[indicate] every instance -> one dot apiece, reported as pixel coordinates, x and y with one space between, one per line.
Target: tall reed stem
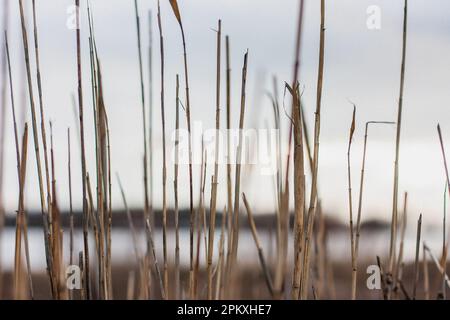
360 197
229 182
20 216
238 165
350 205
87 292
177 14
49 258
175 187
397 146
313 194
212 217
164 174
41 109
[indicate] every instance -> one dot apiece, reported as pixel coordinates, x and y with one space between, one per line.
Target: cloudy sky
361 65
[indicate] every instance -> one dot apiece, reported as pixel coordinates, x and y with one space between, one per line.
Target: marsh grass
308 273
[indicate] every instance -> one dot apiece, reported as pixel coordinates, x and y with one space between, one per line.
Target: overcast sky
361 65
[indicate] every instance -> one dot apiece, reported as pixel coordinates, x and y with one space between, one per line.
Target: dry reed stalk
262 260
102 180
49 257
238 166
144 122
93 59
299 171
426 277
278 188
3 97
103 167
175 187
150 112
229 182
361 189
282 237
397 147
350 205
212 217
276 111
313 193
20 215
87 293
416 261
279 191
107 211
177 14
41 109
164 175
96 105
109 228
13 112
283 211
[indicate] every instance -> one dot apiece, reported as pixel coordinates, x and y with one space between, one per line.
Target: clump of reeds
44 209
